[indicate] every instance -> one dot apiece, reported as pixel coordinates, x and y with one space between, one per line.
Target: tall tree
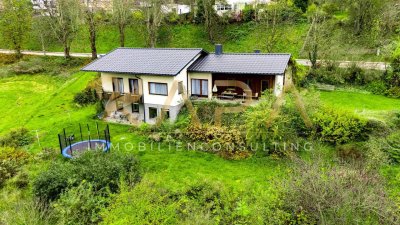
270 18
90 9
154 17
121 17
363 13
301 4
65 18
211 18
15 23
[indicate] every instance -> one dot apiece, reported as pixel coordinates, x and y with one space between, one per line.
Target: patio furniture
255 96
230 97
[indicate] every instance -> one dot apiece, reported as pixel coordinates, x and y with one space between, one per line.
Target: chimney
218 49
257 51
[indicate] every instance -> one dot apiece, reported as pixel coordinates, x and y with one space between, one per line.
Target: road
304 62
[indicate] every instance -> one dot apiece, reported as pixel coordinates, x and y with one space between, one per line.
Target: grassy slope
339 45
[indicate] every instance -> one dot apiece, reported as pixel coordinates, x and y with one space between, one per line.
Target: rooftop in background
246 63
156 61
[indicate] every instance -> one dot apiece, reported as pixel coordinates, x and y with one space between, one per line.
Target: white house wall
106 80
278 87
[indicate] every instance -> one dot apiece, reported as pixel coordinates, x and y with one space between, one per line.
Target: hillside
236 38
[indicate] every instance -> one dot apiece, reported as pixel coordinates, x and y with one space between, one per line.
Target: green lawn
368 105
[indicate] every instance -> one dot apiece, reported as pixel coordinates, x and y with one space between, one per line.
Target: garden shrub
86 97
80 205
248 13
338 127
324 193
11 161
393 148
172 18
227 142
47 154
377 87
355 75
7 59
393 92
285 126
32 66
350 152
17 138
21 180
376 154
205 110
103 170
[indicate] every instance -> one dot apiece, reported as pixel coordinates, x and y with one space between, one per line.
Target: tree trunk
92 32
122 36
67 51
18 53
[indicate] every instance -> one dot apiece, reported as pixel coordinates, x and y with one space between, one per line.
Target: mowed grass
42 103
365 104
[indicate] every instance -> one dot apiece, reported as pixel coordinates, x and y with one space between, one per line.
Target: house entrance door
264 85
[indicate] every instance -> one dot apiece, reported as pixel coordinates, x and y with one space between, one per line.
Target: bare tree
121 17
15 22
314 35
90 9
269 20
153 18
211 18
65 18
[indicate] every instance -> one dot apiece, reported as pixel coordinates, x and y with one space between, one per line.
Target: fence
74 139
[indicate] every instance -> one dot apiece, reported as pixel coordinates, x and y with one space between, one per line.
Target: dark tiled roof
252 63
157 61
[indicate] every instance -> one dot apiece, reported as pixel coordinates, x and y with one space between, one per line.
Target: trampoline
79 147
72 146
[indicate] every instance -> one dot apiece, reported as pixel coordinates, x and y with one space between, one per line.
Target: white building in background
236 6
43 4
176 8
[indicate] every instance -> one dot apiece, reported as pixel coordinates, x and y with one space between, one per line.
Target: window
134 86
264 85
153 113
135 107
180 87
223 7
158 88
200 87
166 113
118 85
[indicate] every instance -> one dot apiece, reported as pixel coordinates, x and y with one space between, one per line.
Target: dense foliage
322 193
205 202
17 138
86 97
337 126
11 161
103 171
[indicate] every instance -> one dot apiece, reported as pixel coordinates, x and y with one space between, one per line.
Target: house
236 6
141 83
176 8
44 4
